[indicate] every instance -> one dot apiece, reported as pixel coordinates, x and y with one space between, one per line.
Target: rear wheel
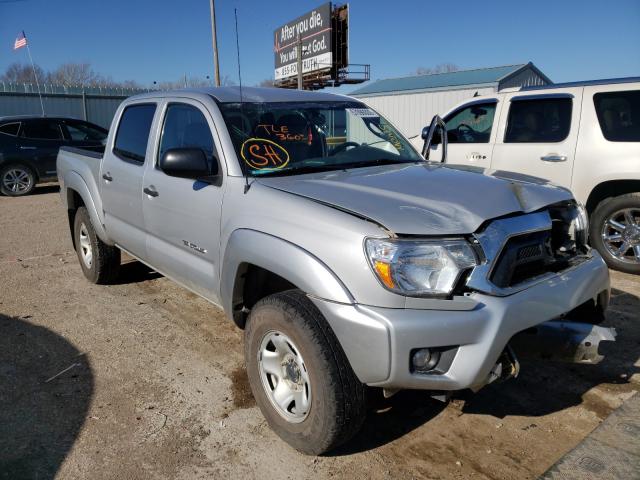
100 262
17 180
299 375
615 232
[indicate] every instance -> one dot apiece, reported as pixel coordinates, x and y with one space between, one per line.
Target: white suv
584 136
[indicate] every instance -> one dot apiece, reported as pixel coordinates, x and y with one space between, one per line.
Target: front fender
283 258
73 181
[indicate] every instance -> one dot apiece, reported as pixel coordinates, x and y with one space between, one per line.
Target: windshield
290 138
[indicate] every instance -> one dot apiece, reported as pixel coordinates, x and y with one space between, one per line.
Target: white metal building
411 102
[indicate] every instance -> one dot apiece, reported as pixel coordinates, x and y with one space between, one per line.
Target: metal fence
94 104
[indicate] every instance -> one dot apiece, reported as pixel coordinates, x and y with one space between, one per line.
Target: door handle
150 191
554 158
28 148
107 177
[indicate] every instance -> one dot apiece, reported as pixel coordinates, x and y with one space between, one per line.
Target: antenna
235 14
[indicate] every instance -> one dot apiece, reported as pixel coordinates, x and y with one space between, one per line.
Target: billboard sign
313 30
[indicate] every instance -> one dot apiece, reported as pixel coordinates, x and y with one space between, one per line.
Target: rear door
121 177
609 141
182 216
470 134
537 134
39 142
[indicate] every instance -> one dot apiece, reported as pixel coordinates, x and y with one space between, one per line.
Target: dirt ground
145 380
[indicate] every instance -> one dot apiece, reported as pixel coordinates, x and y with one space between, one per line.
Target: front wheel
299 375
17 180
615 232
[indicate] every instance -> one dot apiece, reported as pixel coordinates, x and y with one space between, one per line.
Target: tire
336 397
622 211
102 263
17 180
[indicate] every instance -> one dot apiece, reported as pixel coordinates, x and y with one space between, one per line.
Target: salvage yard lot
143 379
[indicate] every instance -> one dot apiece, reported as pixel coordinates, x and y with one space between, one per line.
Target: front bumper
378 341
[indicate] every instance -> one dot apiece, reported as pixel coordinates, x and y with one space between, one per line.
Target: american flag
21 41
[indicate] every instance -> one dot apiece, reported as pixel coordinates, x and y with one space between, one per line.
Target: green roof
478 76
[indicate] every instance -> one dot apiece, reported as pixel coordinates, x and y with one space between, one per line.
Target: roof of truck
249 94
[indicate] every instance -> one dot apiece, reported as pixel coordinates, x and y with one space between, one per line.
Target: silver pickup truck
350 262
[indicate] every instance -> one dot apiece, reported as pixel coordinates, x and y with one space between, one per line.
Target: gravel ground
145 380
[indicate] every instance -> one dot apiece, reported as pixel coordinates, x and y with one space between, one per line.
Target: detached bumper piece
563 341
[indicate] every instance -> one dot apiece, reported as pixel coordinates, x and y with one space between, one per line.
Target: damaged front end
564 339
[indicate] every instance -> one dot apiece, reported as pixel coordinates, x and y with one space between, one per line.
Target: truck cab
350 262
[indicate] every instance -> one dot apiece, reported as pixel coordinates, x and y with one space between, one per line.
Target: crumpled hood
424 199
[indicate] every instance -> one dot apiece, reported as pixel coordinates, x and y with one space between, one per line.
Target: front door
470 134
182 216
121 178
538 135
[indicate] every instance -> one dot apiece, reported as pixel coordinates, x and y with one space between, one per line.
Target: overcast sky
160 40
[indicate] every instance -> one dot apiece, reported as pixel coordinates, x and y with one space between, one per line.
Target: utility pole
299 60
216 67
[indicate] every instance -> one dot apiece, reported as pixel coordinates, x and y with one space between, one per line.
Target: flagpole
35 75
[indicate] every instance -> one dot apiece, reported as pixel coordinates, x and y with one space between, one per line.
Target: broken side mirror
430 137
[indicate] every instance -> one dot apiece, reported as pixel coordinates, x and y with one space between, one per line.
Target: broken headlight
419 267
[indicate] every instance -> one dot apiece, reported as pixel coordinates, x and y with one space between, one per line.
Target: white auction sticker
362 112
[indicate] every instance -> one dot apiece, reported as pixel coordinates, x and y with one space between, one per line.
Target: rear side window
619 115
41 130
544 120
84 132
10 128
472 124
133 132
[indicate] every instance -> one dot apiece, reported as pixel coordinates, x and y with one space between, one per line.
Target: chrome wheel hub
284 376
16 180
621 235
86 252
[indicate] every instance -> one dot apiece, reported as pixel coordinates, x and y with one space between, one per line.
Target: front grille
530 251
530 255
523 257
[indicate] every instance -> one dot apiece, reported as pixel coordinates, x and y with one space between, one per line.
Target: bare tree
267 82
22 73
74 74
227 81
441 68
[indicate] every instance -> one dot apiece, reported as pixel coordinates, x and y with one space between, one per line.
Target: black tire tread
350 392
353 391
106 258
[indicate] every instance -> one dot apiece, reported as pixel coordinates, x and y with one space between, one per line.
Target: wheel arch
76 194
608 189
257 264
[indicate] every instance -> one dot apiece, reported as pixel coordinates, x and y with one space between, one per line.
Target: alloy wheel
17 180
621 235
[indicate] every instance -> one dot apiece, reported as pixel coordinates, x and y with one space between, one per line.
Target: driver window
471 124
186 127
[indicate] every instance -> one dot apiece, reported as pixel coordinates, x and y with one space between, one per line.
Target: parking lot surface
143 379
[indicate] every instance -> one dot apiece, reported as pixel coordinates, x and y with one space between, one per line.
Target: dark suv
29 146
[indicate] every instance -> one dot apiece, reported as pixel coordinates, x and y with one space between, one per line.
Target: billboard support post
299 61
